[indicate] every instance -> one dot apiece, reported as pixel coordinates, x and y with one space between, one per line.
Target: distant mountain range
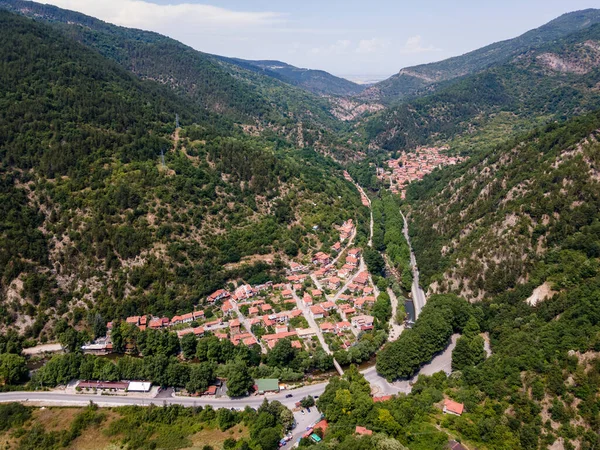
528 87
412 81
316 81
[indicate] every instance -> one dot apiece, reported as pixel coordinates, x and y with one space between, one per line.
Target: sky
363 40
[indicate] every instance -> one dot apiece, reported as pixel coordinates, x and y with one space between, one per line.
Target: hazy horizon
342 38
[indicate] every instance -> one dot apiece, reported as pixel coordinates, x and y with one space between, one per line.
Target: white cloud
142 14
414 44
374 45
339 47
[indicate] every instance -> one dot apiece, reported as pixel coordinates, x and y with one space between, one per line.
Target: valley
215 252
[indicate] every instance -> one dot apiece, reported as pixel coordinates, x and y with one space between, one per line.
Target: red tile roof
363 431
453 407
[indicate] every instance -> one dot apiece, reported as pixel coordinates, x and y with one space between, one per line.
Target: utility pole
162 158
176 121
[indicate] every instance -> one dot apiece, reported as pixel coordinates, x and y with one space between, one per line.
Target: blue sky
356 39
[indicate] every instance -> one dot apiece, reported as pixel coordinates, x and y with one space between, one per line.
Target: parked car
289 396
308 409
303 412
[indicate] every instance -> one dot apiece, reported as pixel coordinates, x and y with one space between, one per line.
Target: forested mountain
316 81
90 215
551 82
243 94
411 81
525 212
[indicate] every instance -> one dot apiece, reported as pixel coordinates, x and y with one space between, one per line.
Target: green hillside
239 93
90 215
551 82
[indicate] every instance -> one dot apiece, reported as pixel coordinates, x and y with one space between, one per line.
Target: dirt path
395 329
44 348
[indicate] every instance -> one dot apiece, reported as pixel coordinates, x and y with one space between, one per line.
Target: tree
468 352
71 340
239 380
98 326
374 261
226 419
13 368
269 438
286 418
282 354
307 402
188 345
201 375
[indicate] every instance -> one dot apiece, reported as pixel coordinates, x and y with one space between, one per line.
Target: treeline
204 359
442 316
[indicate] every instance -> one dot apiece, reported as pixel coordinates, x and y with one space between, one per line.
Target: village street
244 321
311 321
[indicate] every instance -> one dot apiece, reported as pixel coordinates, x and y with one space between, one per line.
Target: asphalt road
253 401
381 386
418 296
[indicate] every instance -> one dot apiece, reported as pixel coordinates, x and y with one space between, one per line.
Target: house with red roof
134 320
317 311
244 291
354 252
321 259
227 307
296 268
336 247
343 325
362 278
307 299
287 294
221 294
327 327
234 326
253 310
334 283
327 306
452 407
351 261
363 431
316 293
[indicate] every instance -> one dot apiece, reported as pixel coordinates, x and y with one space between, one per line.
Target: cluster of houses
415 165
272 306
351 306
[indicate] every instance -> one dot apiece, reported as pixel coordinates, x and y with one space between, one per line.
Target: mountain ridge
410 81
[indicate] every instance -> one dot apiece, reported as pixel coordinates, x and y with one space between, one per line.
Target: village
325 303
413 166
